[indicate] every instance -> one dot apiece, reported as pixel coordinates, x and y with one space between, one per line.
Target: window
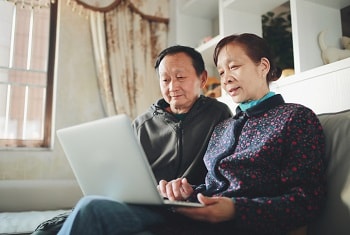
27 49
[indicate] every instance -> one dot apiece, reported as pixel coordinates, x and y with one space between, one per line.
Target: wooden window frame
46 142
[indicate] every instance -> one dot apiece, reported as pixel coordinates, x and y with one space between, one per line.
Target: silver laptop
108 160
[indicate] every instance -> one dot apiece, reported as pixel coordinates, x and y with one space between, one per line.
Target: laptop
108 160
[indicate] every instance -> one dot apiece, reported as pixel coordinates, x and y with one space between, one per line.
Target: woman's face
242 78
179 83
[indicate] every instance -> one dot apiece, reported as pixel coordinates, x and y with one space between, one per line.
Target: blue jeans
98 215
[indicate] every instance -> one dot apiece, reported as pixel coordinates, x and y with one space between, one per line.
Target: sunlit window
27 43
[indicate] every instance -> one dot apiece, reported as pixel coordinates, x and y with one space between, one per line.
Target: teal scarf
247 105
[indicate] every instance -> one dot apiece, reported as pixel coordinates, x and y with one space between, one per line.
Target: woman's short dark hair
196 57
255 47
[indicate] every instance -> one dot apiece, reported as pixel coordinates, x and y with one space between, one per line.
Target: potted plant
277 30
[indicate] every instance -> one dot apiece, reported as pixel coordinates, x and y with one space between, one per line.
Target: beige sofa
335 219
24 204
50 196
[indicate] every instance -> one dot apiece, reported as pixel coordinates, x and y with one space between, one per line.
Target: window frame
46 142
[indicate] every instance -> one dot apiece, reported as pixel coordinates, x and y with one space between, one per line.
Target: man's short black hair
197 59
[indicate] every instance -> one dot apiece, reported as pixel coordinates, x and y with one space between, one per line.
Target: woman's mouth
233 91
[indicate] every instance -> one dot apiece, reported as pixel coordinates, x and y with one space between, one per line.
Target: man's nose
173 85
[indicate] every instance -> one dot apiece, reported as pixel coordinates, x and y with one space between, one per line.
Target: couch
335 218
24 204
20 199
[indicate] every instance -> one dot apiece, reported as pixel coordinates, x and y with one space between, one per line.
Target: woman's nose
225 79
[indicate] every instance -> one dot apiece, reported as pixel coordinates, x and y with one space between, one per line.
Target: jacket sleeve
301 183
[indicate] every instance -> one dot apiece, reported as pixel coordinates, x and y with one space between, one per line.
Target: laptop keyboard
182 203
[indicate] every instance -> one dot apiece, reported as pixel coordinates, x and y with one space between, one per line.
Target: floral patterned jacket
270 161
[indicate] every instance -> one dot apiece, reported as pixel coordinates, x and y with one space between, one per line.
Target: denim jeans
97 215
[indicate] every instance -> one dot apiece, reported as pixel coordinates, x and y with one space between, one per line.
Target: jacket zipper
180 155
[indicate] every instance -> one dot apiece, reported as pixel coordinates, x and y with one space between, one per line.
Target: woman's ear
265 66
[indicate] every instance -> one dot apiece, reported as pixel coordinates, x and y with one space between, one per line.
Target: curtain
101 61
126 42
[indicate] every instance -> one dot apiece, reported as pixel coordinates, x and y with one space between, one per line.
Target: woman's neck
248 104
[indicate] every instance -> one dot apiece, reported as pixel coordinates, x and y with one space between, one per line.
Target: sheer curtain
126 41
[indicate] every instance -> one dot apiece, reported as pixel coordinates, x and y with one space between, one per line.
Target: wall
77 100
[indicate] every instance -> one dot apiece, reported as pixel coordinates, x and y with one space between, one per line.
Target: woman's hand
217 209
175 190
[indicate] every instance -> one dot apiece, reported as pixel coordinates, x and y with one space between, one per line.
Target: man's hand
175 190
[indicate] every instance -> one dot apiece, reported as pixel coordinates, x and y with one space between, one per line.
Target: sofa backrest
335 219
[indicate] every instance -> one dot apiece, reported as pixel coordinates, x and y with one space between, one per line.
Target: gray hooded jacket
175 148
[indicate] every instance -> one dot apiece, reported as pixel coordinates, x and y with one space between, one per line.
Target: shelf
201 8
197 19
207 50
313 81
318 88
258 7
312 73
336 4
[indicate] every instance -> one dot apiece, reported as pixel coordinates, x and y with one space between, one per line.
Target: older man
175 130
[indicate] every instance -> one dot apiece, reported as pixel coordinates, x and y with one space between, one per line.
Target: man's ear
204 78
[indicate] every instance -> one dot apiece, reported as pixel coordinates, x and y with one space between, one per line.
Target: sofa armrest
335 217
38 195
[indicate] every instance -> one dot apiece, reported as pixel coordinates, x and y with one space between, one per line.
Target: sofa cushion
25 222
335 219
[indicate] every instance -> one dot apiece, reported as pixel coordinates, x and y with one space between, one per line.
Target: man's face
179 83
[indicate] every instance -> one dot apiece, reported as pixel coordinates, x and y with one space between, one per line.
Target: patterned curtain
126 41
